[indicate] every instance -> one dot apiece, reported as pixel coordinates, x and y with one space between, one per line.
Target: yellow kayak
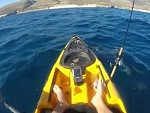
75 71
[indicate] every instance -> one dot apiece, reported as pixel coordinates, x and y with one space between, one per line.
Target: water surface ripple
30 44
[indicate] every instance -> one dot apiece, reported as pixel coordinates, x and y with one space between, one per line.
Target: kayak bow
75 71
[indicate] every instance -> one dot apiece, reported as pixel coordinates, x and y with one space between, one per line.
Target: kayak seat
83 108
46 110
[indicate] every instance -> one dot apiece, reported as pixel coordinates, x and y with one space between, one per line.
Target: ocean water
30 44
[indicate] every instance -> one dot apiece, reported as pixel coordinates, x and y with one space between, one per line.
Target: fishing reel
118 62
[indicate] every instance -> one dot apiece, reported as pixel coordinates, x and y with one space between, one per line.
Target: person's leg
97 100
62 103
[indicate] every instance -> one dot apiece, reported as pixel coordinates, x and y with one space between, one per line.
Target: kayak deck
74 72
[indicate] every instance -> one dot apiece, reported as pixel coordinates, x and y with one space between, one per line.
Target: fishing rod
118 59
7 106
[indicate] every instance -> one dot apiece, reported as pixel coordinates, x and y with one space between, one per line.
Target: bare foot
99 87
97 100
62 103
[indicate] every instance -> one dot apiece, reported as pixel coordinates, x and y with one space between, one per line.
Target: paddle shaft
12 109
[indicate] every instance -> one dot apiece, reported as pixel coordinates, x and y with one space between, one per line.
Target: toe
55 88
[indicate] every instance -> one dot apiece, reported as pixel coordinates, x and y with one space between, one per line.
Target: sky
6 2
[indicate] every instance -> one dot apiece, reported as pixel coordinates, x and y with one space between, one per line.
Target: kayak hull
74 72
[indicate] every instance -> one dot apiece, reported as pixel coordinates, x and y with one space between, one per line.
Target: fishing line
128 24
118 59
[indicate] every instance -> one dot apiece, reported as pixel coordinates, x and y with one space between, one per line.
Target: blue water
30 44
